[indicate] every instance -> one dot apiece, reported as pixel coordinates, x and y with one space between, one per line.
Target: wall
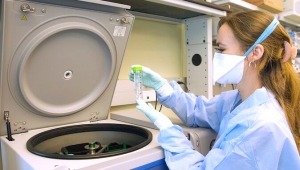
156 45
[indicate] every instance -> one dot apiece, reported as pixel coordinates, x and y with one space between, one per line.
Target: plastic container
137 70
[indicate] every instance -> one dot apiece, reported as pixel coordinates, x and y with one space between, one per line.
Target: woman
257 124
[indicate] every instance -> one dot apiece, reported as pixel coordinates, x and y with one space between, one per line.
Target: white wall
156 45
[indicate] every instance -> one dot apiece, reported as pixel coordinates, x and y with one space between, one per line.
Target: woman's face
227 43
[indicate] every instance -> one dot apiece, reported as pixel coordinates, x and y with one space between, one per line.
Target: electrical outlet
149 96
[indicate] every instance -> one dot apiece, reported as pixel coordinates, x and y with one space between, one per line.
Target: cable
233 87
156 98
160 108
180 82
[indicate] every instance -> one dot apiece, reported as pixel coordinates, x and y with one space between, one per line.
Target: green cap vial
137 77
137 68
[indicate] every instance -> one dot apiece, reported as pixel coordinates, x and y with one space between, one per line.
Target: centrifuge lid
62 66
62 69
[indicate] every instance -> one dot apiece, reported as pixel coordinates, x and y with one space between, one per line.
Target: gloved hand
161 121
150 78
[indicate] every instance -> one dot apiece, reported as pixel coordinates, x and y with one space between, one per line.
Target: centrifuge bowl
50 143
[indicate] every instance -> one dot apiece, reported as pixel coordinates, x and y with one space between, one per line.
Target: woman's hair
277 76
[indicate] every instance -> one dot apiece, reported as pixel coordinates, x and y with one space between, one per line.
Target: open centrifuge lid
62 66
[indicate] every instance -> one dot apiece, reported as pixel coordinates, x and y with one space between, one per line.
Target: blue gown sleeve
179 153
197 111
268 144
258 149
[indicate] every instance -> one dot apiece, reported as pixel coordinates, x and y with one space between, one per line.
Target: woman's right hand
150 78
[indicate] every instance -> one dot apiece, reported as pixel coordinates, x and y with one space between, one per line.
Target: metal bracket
94 116
6 115
199 56
19 127
8 128
124 21
26 8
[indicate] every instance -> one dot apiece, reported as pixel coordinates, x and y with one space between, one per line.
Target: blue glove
150 78
160 120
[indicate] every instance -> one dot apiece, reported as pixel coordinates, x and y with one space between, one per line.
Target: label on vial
119 31
138 84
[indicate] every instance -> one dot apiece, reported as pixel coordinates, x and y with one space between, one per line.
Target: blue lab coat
252 135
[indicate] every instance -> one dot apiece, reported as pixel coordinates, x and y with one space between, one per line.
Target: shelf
236 5
175 10
290 17
286 18
107 3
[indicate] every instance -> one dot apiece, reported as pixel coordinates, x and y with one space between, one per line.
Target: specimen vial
137 70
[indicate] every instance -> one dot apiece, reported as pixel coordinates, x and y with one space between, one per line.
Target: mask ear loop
289 52
264 35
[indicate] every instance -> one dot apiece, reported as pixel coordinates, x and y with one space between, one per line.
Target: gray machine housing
59 65
202 139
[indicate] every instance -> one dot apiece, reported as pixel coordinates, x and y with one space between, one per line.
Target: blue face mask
228 69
